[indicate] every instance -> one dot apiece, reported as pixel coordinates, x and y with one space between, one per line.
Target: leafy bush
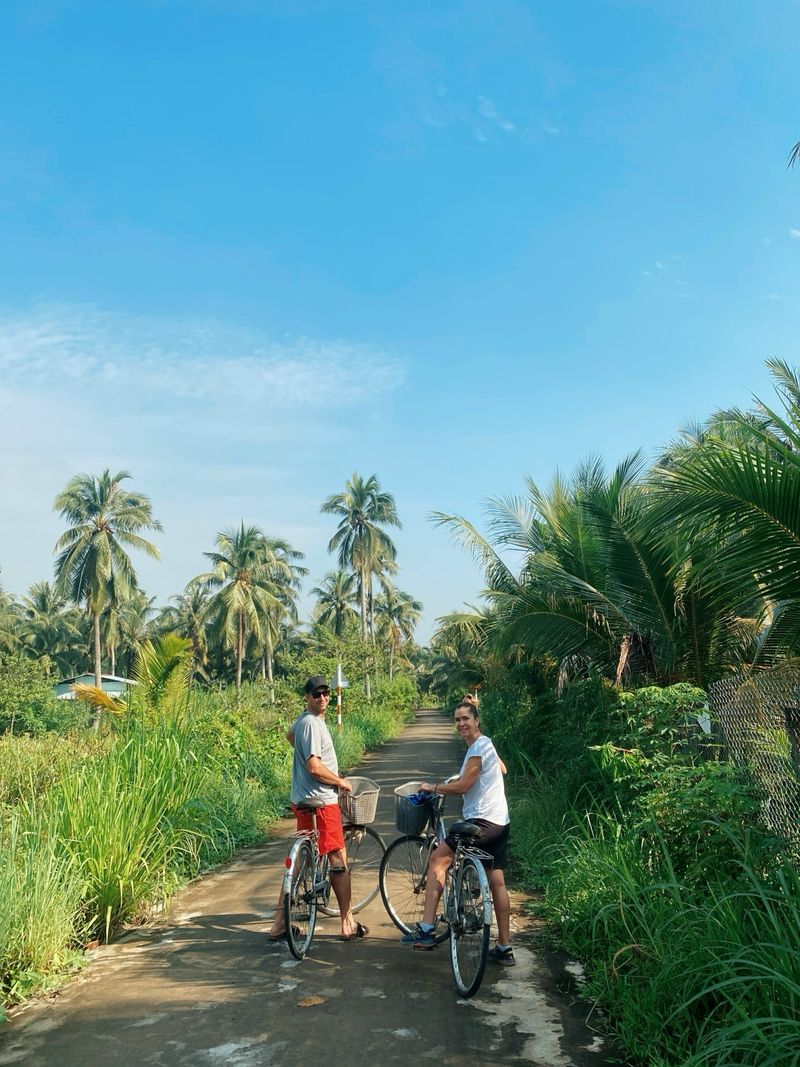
28 704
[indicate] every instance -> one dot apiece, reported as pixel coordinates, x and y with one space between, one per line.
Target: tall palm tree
397 613
244 578
363 509
93 567
285 573
335 599
188 617
49 627
135 627
9 622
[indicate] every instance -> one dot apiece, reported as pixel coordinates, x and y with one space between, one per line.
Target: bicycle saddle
310 805
464 829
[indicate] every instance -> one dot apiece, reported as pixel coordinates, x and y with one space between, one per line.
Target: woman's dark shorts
492 839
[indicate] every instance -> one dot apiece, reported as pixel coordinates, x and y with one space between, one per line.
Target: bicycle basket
411 818
361 805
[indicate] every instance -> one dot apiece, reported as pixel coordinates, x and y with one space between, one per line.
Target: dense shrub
28 704
659 875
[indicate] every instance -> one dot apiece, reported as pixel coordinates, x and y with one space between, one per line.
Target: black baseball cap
317 681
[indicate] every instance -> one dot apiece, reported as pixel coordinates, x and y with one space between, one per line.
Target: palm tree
285 573
50 628
363 509
244 577
135 627
359 540
335 599
189 618
603 583
9 620
397 613
738 492
92 567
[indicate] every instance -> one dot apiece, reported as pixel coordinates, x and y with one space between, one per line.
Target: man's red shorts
329 827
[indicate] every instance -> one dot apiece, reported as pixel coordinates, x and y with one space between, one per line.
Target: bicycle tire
365 849
402 882
300 900
469 934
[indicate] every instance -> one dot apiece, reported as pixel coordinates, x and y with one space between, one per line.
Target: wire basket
412 818
361 805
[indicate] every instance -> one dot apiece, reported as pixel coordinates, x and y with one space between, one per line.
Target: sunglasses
316 696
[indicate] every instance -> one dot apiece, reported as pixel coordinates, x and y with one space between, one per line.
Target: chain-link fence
759 717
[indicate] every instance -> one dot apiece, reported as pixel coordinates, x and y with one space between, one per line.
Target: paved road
205 988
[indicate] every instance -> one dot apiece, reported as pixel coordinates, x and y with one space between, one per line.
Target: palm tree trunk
363 604
362 595
239 654
269 669
98 665
113 651
391 661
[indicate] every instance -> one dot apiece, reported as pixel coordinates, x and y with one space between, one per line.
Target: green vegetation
611 603
97 831
99 826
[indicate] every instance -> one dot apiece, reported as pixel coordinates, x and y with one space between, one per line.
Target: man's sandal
360 931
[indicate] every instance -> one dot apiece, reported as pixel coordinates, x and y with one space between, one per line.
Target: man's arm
325 775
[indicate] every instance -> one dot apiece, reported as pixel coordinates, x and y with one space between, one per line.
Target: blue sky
250 247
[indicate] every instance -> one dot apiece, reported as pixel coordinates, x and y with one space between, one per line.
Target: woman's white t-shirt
487 797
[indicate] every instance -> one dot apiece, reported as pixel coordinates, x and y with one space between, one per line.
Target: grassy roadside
95 833
696 964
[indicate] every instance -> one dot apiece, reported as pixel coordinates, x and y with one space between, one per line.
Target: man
315 776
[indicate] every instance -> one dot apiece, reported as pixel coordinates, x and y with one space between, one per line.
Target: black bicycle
466 904
307 882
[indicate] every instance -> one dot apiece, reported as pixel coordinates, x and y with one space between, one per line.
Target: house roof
103 678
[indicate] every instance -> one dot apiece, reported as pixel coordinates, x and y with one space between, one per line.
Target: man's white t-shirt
487 797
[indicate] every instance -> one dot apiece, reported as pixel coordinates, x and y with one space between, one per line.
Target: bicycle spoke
469 944
402 880
365 849
300 903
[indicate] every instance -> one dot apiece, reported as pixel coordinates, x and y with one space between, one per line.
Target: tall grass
693 974
126 821
95 832
40 898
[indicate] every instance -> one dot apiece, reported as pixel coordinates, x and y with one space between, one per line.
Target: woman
480 782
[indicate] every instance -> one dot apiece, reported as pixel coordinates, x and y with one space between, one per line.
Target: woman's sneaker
419 938
503 956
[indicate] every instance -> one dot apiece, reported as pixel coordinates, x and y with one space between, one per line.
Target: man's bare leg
340 882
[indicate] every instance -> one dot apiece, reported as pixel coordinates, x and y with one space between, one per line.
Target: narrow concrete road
205 988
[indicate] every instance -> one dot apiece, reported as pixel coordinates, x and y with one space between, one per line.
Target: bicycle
466 903
307 882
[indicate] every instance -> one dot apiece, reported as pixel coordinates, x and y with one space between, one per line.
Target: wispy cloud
794 234
488 110
59 346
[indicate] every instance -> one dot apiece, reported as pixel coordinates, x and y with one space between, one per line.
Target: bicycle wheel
469 936
402 880
365 849
300 900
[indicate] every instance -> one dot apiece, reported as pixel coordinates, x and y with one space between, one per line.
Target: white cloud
66 346
488 110
486 107
659 265
551 131
215 421
794 234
